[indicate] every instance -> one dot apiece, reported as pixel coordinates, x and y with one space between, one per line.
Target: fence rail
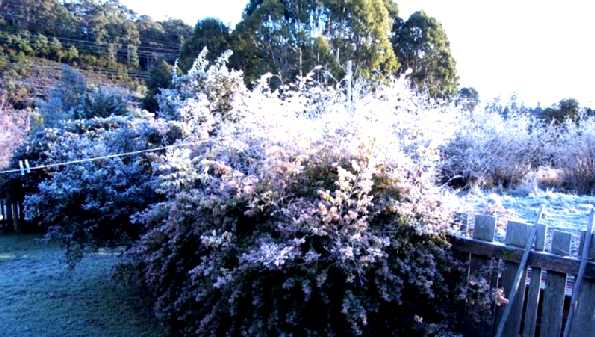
541 305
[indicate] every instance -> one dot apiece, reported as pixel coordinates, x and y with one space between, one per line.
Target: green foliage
421 45
290 38
467 98
96 29
566 109
160 78
208 33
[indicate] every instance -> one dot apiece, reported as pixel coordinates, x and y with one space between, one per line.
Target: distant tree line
88 32
291 37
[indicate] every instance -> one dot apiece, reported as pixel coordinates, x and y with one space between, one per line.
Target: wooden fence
541 306
12 216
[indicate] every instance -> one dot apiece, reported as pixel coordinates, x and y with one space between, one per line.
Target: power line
96 69
15 15
93 159
104 44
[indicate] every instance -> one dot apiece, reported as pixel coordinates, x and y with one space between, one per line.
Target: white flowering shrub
296 218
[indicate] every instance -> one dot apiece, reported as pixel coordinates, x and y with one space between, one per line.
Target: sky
542 50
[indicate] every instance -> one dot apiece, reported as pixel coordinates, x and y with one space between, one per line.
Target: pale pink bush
298 216
13 128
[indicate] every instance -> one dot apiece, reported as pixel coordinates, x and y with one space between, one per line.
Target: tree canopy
421 45
100 29
289 38
210 33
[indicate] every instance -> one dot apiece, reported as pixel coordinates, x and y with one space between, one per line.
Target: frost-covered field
40 297
568 212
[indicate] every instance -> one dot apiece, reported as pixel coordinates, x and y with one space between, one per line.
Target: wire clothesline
93 159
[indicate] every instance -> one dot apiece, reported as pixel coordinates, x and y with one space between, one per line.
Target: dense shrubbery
574 154
489 149
296 216
91 203
27 44
72 99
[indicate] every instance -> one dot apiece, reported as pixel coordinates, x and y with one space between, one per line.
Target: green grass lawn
40 297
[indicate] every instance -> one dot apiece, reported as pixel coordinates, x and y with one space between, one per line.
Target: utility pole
349 80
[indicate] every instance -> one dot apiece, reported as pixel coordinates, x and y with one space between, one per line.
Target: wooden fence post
517 235
534 287
583 323
21 212
2 212
15 215
481 266
555 287
8 206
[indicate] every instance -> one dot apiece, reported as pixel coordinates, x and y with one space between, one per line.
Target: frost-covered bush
64 99
301 218
207 91
105 101
72 99
574 154
90 203
13 128
490 149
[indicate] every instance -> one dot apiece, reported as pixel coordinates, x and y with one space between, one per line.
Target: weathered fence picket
517 235
534 286
555 288
583 323
486 267
2 213
539 307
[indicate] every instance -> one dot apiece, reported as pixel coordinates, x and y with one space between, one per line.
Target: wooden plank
15 216
544 260
2 212
583 323
517 234
481 267
532 300
485 228
554 293
8 213
463 220
21 206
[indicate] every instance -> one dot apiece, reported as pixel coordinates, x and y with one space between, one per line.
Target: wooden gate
541 305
